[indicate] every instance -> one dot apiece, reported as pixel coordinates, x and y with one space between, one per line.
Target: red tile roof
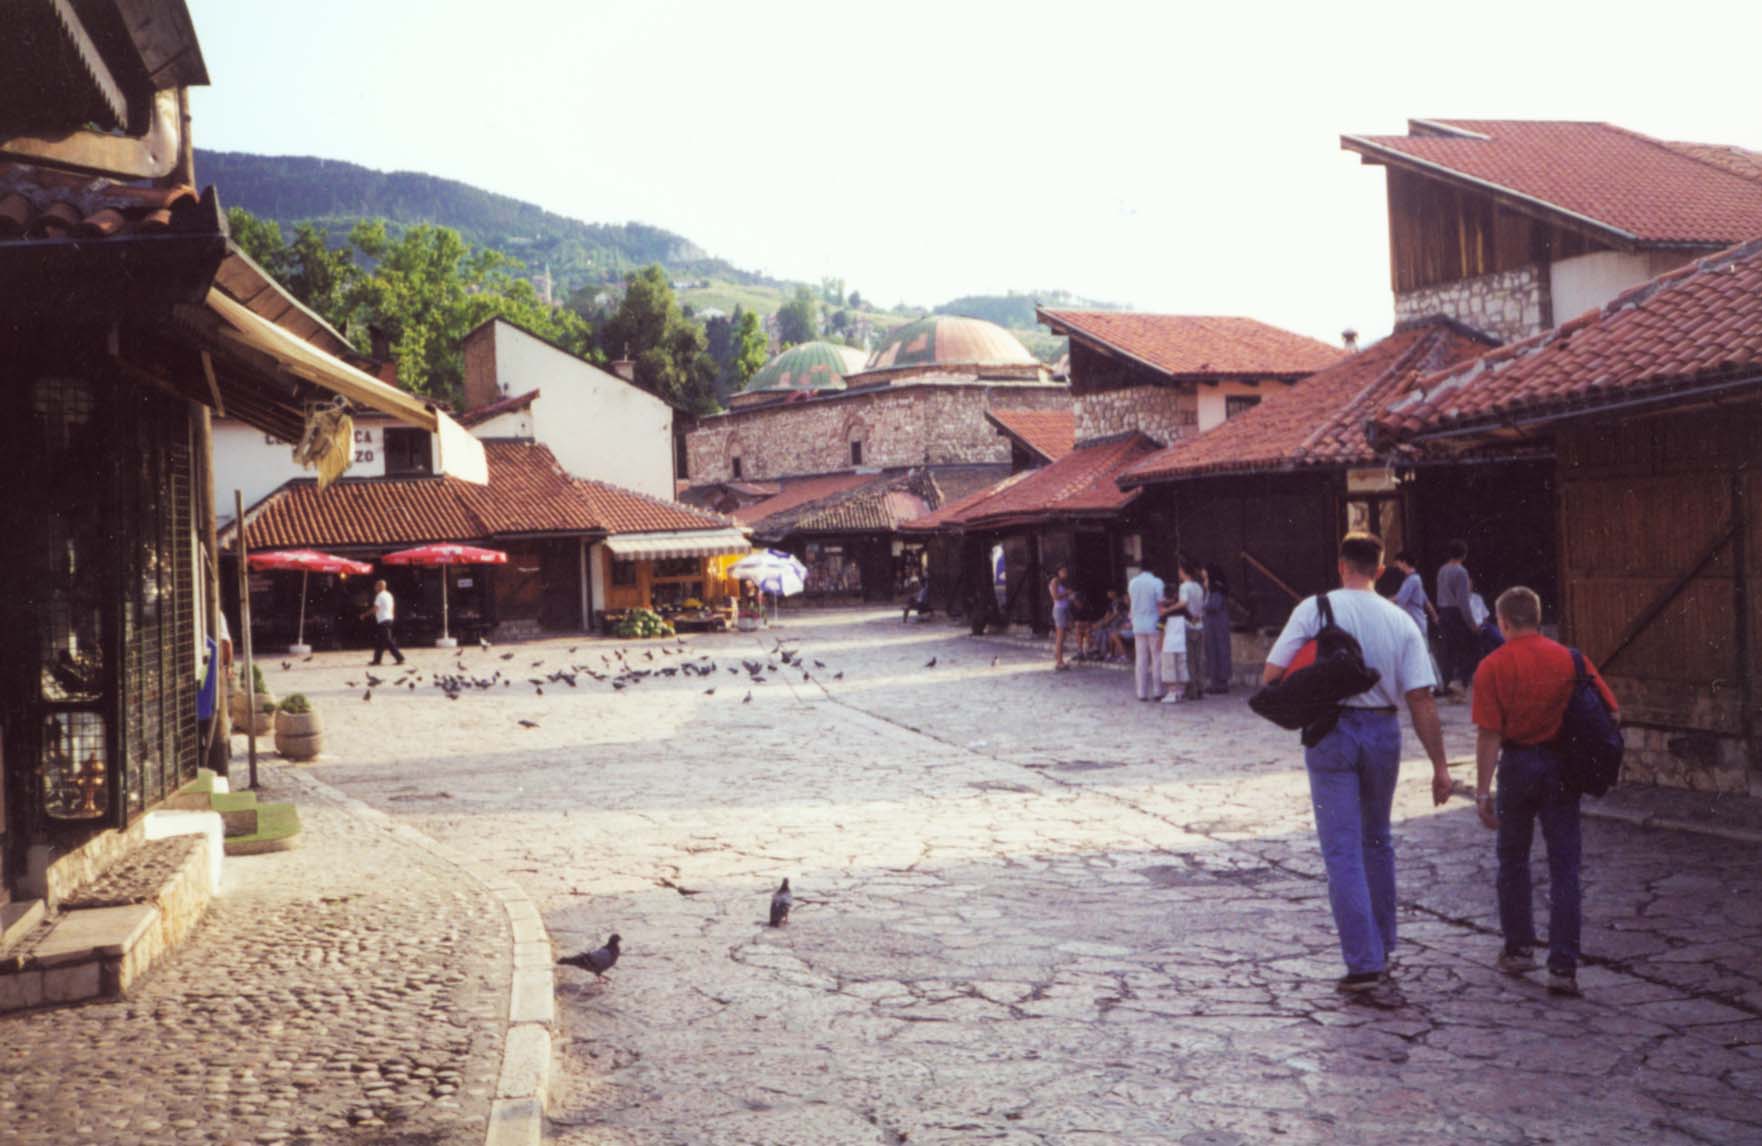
1197 346
1080 484
1694 330
1635 187
951 512
43 203
880 508
797 492
1320 420
528 492
1048 433
497 408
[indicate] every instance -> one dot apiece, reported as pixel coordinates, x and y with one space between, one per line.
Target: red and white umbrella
308 562
445 553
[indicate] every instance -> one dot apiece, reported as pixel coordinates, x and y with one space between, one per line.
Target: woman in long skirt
1217 630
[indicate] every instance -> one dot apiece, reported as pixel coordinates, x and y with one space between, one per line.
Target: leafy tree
798 320
832 291
671 353
749 349
856 301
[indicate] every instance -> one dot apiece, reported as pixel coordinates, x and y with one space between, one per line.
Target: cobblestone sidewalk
349 991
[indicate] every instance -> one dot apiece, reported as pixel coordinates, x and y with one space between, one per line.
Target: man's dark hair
1188 566
1458 550
1405 558
1362 553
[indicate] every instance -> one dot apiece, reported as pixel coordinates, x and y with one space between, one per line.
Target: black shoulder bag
1325 672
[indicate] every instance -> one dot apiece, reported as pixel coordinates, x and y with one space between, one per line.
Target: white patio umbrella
774 571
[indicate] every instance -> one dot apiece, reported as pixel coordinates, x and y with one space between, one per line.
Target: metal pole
300 638
445 632
238 500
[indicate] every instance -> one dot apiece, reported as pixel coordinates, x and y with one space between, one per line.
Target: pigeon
649 654
931 663
838 676
805 676
352 684
748 698
308 657
819 664
536 664
733 671
529 724
286 665
483 643
572 649
994 661
507 656
368 695
452 696
599 960
781 902
373 681
619 685
709 692
538 692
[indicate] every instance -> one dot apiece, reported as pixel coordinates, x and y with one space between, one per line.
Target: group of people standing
1180 635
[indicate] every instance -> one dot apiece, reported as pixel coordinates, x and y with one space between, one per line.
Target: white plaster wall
599 426
514 424
1585 282
1211 399
245 458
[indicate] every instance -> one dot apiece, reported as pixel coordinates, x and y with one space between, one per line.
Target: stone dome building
811 367
948 344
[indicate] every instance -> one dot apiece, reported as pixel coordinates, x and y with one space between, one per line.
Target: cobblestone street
351 990
1029 909
1032 910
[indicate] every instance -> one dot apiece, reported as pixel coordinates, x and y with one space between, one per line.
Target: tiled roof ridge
1423 347
500 406
715 520
1430 388
1445 322
1224 328
1670 148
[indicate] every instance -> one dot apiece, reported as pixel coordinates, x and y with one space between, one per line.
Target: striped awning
683 543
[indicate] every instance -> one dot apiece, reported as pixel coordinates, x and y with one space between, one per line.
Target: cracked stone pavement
1030 909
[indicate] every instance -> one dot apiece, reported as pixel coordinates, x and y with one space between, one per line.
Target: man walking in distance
384 610
1352 770
1520 695
1144 594
1455 624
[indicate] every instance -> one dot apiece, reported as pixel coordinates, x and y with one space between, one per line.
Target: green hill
334 195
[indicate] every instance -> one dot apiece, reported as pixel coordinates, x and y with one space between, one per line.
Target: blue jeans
1352 786
1530 789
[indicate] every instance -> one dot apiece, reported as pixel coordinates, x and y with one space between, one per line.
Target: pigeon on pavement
599 960
748 699
529 724
781 902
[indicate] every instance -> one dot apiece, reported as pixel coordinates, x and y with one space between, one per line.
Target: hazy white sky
1179 157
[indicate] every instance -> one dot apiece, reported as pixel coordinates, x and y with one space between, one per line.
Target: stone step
78 957
18 919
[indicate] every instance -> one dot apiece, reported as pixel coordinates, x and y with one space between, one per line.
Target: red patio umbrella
308 562
445 553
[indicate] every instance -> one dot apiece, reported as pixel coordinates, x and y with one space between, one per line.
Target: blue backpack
1589 743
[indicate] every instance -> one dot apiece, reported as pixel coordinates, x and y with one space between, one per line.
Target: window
406 452
734 466
1239 404
624 574
856 453
675 567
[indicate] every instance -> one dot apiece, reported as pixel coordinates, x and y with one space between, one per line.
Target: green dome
951 340
810 366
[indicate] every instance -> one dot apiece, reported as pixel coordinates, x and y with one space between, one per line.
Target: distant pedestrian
1520 696
1455 627
1059 589
1144 593
1217 630
1353 768
1411 596
384 612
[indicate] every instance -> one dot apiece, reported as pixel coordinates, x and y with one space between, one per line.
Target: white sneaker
1172 698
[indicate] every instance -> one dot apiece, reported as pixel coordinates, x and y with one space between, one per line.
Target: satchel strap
1578 667
1326 609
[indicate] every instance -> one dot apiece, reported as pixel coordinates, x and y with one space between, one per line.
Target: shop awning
685 543
460 454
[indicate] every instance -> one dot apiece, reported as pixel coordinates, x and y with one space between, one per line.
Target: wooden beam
1260 567
1658 604
213 383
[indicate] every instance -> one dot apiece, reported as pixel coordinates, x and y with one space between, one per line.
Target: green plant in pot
299 734
258 708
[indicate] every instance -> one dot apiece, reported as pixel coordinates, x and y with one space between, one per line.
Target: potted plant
299 734
254 710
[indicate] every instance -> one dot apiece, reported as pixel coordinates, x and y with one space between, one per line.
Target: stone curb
516 1115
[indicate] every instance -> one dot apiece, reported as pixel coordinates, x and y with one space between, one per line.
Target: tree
798 320
749 347
856 301
671 353
832 291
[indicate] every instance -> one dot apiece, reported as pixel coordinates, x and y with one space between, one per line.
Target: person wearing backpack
1521 696
1353 766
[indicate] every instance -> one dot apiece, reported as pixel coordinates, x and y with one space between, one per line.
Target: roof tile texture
1080 483
1196 346
1320 420
1049 433
1658 192
42 203
1700 324
528 492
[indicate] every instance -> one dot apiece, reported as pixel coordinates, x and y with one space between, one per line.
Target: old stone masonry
351 990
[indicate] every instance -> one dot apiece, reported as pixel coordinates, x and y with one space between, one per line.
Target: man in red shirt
1520 697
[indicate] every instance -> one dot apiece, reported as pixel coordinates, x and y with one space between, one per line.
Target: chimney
382 343
625 367
1349 339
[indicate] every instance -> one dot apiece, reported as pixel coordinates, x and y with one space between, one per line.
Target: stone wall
55 872
1699 761
1163 412
906 425
1508 305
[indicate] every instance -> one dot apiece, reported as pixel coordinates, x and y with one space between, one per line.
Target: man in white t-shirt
1144 594
384 611
1352 770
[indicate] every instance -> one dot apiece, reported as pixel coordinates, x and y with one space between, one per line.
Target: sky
1173 156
